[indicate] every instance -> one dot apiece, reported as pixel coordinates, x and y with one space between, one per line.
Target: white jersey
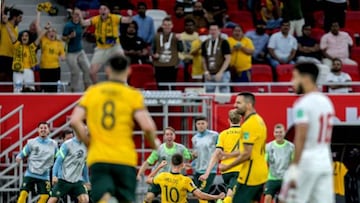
342 78
317 111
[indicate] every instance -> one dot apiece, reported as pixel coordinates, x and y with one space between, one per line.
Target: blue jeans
223 89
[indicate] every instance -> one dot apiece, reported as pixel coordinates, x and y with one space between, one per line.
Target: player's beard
300 89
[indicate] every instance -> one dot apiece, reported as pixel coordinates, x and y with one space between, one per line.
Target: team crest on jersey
79 154
246 135
299 113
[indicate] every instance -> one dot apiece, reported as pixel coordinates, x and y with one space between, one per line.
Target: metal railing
18 86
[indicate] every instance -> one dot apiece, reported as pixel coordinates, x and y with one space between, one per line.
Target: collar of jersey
251 114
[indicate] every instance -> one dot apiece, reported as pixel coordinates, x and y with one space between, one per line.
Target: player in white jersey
309 178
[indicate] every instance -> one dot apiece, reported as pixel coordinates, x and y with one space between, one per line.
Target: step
30 9
27 19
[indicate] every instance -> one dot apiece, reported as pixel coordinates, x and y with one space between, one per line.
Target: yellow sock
23 196
102 201
203 201
227 200
43 198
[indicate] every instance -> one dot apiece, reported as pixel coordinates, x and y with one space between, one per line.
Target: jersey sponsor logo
246 135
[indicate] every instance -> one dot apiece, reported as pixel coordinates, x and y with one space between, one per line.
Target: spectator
166 48
199 16
216 9
24 58
6 47
308 47
187 37
292 12
282 47
336 44
52 49
76 57
216 56
134 47
271 14
187 4
337 76
32 31
241 50
260 39
145 23
107 36
334 10
197 70
178 19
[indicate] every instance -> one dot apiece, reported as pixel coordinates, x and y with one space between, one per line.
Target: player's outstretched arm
147 125
215 157
206 196
77 123
151 176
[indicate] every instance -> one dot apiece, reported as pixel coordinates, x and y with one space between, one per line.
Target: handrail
12 113
27 136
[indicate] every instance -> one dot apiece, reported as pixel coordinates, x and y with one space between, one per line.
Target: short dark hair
141 4
189 20
309 69
213 24
336 59
14 13
200 118
306 25
43 123
118 63
66 131
284 21
177 159
249 97
167 18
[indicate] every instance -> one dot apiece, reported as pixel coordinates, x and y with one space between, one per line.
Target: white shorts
311 187
26 77
101 55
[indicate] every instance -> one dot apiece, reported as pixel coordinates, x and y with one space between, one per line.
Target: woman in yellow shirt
52 50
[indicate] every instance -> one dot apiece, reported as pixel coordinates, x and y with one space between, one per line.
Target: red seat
243 18
253 88
125 12
142 76
261 73
352 20
167 6
319 19
282 89
355 54
317 33
227 31
284 72
352 70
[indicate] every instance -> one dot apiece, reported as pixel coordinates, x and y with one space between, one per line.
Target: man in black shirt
308 47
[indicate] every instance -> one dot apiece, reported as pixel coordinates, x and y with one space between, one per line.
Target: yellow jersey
110 107
239 60
340 171
106 32
197 68
24 57
6 45
50 52
229 141
255 170
174 187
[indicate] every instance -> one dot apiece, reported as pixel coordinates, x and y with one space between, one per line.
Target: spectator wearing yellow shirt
6 45
52 49
242 49
107 26
197 70
24 58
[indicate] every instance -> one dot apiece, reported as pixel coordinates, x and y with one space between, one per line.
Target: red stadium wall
274 108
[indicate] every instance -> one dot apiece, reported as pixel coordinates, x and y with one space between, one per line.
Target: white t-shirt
316 110
282 45
343 77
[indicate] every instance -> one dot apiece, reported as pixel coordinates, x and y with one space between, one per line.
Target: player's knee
83 198
52 200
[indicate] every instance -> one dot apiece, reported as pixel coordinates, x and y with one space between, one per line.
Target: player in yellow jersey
174 185
253 169
107 28
228 143
109 109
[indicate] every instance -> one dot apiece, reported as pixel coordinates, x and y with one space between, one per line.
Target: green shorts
246 193
118 180
272 187
204 185
66 188
155 189
230 179
29 183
